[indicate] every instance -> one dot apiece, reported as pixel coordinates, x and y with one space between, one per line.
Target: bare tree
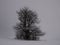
26 28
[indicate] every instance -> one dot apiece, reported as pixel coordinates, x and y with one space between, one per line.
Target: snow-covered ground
23 42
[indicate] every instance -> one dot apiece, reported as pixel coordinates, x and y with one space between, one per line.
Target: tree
26 28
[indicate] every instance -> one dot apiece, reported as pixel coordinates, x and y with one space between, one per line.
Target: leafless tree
26 28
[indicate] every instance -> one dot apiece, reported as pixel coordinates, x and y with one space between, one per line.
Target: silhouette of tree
26 28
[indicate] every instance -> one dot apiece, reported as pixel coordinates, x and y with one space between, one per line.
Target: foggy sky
48 12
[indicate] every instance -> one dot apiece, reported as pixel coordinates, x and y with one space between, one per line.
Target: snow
24 42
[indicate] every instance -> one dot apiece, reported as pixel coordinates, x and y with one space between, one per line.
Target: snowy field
23 42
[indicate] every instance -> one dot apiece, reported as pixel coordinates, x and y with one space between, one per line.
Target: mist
48 12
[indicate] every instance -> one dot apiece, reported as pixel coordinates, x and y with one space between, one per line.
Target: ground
24 42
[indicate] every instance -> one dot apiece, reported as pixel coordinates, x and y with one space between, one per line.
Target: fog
48 12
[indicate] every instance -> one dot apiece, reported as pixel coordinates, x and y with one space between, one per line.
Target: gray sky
48 11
